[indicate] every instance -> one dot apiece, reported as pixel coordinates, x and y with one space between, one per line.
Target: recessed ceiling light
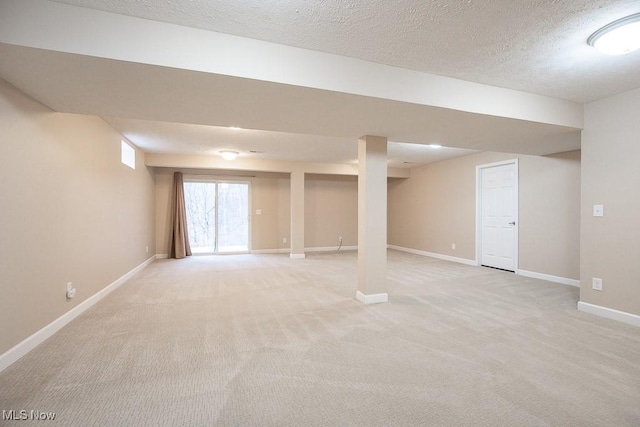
229 154
435 146
619 37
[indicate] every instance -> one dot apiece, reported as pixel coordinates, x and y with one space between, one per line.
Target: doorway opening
217 216
497 215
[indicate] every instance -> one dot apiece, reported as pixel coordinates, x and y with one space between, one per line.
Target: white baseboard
31 342
315 249
255 251
271 251
609 313
372 298
549 278
286 250
297 256
434 255
331 249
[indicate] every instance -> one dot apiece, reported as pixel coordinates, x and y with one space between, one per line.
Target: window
128 155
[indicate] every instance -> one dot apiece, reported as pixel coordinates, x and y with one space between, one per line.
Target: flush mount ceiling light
229 155
619 37
436 146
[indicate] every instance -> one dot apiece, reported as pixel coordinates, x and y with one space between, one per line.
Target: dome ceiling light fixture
229 154
619 37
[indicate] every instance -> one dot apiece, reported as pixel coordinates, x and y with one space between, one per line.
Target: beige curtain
179 237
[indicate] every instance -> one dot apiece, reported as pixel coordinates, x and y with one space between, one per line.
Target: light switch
598 210
258 211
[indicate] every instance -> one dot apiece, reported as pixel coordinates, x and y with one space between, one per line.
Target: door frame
229 180
479 169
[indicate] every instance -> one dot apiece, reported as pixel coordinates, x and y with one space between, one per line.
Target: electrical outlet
147 249
284 240
598 210
71 291
340 239
596 284
453 246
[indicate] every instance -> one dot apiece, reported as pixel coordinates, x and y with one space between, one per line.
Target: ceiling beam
181 161
70 29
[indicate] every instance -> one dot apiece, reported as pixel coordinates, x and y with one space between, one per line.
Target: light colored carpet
263 340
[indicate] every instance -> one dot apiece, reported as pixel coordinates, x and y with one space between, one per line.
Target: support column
372 220
297 214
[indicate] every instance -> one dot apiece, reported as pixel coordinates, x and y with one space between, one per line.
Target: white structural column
372 219
297 214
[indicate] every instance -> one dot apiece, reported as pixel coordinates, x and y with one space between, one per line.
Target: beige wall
70 212
610 246
436 208
331 210
270 194
164 179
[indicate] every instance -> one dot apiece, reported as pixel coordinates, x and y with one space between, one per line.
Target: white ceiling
535 46
178 138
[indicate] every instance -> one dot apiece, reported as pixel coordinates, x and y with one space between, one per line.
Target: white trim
281 251
331 249
479 207
297 256
217 180
372 298
271 251
609 313
250 214
162 256
31 342
500 163
549 278
434 255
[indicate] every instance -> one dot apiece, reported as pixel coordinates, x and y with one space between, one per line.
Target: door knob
512 223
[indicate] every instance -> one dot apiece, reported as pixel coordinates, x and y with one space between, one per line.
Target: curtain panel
180 247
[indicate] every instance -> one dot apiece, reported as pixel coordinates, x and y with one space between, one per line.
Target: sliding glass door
233 217
217 216
200 203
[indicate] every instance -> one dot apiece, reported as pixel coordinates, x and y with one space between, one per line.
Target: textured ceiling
132 92
536 46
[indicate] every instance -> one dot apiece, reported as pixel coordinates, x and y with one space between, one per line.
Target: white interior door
498 219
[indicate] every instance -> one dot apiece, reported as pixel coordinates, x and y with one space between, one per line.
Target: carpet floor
263 340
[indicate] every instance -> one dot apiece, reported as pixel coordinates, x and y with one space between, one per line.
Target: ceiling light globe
618 38
229 155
